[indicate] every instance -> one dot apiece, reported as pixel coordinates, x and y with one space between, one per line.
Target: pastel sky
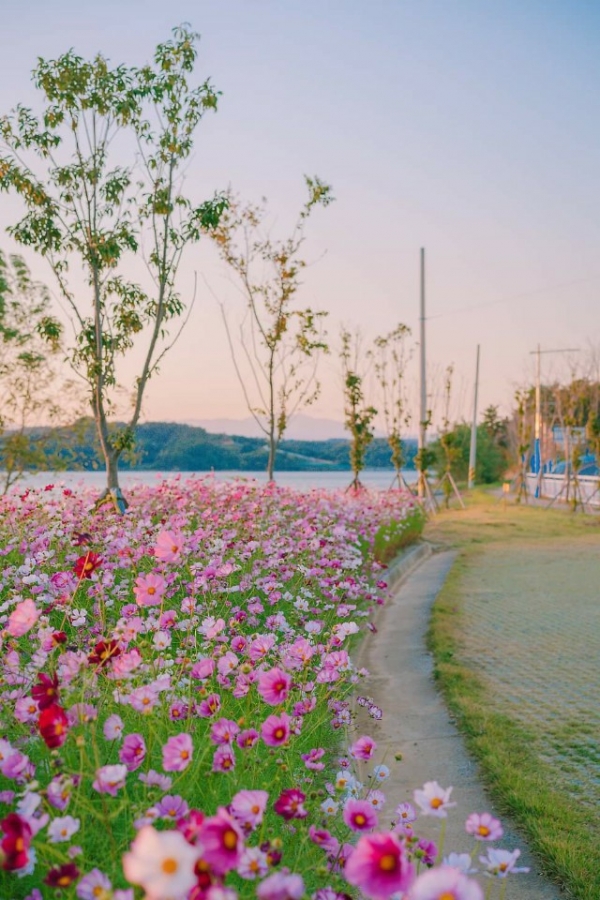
468 127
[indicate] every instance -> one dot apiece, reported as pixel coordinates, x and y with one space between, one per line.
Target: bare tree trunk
272 454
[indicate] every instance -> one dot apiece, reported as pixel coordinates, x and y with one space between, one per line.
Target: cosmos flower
359 815
433 800
275 730
23 618
484 827
162 862
221 841
379 866
274 686
177 752
444 883
53 725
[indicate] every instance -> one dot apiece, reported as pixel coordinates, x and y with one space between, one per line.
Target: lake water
377 479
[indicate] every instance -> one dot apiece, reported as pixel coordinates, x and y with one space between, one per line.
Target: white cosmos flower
162 862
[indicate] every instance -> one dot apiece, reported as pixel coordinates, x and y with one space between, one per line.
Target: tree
278 344
359 416
88 212
32 390
390 359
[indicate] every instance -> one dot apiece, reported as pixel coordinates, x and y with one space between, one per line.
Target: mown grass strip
558 831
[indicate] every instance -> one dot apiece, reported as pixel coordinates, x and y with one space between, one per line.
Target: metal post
473 451
537 447
423 411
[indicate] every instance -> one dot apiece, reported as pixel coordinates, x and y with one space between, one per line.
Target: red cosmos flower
45 693
289 804
87 565
53 725
62 876
103 652
59 637
15 842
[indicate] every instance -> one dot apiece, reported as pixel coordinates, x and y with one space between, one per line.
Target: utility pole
537 434
473 451
423 385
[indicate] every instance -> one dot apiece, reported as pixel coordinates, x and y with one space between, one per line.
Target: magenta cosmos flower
363 748
149 589
484 827
177 753
445 883
359 815
275 730
221 841
289 804
378 866
274 686
133 751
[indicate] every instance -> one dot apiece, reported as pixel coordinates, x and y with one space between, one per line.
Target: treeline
171 446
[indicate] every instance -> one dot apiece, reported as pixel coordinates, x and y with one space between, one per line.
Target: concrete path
417 725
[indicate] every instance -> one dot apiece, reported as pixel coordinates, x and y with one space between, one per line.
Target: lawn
516 639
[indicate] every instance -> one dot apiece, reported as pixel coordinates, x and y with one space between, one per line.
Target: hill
173 446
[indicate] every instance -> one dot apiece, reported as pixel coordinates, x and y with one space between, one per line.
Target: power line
513 297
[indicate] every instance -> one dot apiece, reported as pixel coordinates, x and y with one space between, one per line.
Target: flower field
177 720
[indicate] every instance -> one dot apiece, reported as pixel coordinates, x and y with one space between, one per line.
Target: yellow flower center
447 896
279 733
483 830
387 863
359 819
169 866
436 803
151 590
230 839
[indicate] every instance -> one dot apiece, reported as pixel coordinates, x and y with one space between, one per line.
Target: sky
469 128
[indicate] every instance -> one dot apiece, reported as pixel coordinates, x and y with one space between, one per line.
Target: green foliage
393 536
359 416
31 387
170 446
492 458
278 343
83 209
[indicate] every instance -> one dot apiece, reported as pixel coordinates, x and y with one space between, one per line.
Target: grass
561 831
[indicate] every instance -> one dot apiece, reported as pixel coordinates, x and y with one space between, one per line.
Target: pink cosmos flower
223 759
209 706
227 663
224 731
172 807
110 779
359 815
406 812
311 759
275 730
221 841
23 618
363 748
281 886
484 827
433 800
445 883
248 807
94 885
324 839
133 751
168 546
177 752
289 804
113 728
274 686
203 669
253 864
149 589
247 739
378 866
144 698
156 779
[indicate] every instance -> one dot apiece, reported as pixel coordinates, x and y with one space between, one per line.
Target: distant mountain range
175 446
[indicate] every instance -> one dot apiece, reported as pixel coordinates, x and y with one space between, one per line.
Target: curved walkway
416 723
